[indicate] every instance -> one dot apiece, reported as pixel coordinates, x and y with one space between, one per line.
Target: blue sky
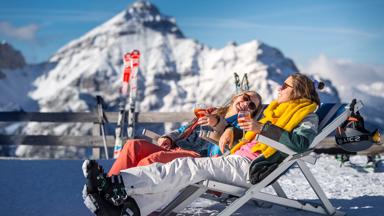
350 29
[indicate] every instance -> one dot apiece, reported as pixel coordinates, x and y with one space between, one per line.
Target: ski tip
127 57
84 167
135 54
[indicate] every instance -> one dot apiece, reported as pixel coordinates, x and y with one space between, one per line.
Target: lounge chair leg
279 190
229 210
187 196
256 188
328 207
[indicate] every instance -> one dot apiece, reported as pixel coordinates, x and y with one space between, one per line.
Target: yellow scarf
286 115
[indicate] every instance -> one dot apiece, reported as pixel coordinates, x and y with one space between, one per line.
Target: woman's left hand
226 139
250 125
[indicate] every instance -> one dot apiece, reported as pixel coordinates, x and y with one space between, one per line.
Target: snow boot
105 195
101 207
94 173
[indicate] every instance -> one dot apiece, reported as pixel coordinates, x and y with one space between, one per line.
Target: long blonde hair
224 109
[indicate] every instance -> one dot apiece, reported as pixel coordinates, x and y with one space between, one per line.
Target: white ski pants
157 184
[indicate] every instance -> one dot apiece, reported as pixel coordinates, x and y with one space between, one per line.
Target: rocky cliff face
10 58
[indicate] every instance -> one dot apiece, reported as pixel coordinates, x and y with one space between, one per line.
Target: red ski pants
141 152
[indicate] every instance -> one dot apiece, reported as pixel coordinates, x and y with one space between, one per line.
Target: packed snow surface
53 187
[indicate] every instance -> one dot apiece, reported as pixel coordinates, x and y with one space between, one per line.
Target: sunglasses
246 97
251 105
285 85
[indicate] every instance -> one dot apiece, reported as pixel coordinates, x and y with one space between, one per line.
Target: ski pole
101 120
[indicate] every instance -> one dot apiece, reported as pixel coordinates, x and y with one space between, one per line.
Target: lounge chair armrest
279 146
210 136
150 134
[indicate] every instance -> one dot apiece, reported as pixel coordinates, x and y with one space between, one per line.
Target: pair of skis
129 88
242 85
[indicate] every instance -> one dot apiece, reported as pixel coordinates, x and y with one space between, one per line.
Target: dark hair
304 87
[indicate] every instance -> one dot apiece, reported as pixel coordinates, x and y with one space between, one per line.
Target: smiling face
245 99
285 91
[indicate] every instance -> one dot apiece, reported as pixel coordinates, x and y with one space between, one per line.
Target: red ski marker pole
135 60
126 73
123 100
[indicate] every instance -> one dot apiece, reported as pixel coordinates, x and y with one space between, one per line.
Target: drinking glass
200 110
243 116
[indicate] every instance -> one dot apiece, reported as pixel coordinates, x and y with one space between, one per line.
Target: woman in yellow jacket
279 119
142 190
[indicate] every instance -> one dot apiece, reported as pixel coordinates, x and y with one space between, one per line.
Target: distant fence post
93 140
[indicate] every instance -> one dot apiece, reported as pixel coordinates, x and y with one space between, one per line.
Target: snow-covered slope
16 79
16 85
53 187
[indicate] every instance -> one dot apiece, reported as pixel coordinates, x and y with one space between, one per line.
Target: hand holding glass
243 116
200 110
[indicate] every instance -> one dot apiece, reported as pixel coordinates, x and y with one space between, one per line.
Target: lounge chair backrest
327 112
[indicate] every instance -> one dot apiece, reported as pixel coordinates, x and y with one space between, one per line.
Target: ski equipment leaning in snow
123 100
237 82
100 112
352 135
126 73
135 60
245 83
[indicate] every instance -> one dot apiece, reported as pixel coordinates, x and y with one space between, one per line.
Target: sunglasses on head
285 85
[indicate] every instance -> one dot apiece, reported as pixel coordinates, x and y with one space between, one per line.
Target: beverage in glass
243 116
200 110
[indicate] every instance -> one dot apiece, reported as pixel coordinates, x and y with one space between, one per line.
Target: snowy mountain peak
139 19
144 11
149 15
175 71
